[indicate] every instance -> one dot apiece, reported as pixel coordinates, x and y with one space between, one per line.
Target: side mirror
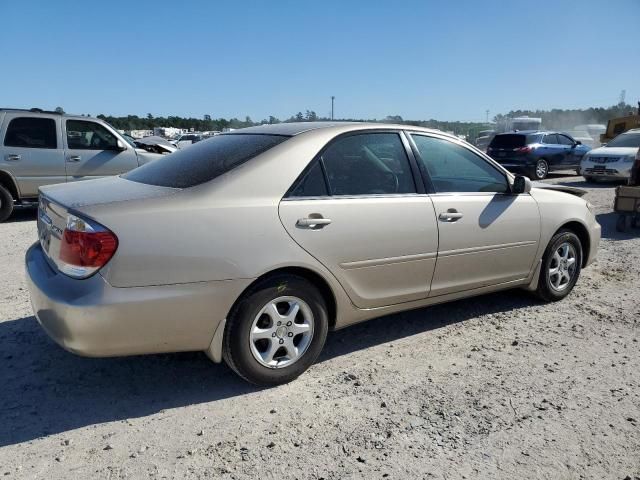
578 142
121 146
521 184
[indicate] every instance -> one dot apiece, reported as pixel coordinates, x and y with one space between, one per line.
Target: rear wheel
276 331
6 203
561 265
540 170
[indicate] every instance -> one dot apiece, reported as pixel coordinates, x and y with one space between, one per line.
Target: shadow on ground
608 223
46 390
23 214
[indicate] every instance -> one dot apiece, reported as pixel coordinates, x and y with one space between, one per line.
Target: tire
589 179
6 203
252 317
540 171
553 290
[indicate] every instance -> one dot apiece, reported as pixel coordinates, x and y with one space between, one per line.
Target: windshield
631 140
203 161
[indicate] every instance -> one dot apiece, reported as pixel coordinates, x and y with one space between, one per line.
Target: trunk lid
58 201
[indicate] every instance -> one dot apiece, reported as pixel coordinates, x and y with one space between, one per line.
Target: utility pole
332 99
487 113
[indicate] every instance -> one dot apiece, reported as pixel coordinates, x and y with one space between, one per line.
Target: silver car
612 161
253 244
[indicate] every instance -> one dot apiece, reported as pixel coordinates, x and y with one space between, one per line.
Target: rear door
92 151
358 211
32 151
487 235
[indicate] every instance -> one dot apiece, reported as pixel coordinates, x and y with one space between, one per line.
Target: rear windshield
513 140
204 160
626 140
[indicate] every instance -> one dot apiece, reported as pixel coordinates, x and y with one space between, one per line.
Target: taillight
524 149
86 246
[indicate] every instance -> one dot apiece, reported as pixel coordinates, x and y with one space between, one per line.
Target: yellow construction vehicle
619 125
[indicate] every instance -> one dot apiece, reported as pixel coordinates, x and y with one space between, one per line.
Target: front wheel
561 265
540 171
276 331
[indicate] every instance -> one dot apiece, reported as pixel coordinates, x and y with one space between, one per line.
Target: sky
448 60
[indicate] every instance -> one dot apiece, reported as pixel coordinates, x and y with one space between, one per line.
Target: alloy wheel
562 267
541 169
281 332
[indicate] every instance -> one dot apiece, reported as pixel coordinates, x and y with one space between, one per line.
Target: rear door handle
74 158
313 222
450 216
12 158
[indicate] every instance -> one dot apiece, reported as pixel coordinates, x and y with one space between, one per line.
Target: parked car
614 160
188 139
536 153
251 245
40 148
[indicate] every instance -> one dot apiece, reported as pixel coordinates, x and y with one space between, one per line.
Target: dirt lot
500 386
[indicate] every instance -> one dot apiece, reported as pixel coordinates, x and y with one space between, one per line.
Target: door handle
12 158
74 158
313 222
451 215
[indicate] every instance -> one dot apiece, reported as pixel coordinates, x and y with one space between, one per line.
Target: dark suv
537 153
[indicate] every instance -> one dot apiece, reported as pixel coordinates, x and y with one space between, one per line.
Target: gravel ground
499 386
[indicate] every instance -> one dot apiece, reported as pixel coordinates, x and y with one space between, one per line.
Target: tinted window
453 168
31 133
203 161
550 139
312 184
564 140
82 135
626 140
509 141
368 164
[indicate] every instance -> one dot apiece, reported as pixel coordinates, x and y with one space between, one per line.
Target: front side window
454 168
550 139
368 164
83 135
29 132
564 140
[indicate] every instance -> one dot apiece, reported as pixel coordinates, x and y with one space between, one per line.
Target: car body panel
34 167
206 244
494 242
382 249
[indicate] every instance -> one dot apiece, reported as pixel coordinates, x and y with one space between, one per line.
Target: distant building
140 133
168 132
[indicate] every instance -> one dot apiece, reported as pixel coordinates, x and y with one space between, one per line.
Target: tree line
552 119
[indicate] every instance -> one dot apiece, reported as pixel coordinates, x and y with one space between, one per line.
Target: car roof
297 128
532 132
38 111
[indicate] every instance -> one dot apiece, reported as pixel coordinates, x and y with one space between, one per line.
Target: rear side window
204 160
550 139
312 184
29 132
508 141
368 164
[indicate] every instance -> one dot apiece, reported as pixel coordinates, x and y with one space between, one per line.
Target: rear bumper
90 317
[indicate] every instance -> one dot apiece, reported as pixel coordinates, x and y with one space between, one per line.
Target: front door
92 151
487 235
357 211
